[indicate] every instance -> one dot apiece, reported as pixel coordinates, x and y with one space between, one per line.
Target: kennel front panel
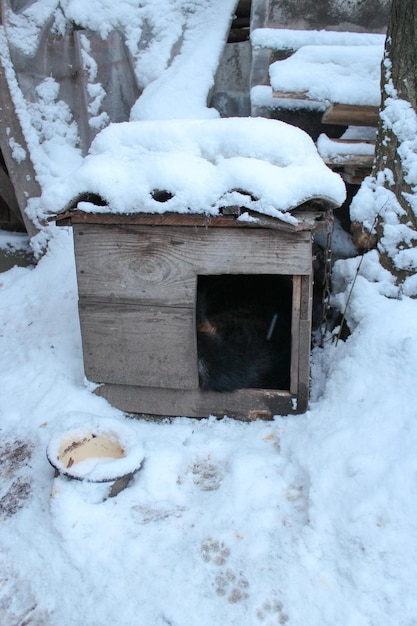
137 293
137 302
149 346
158 264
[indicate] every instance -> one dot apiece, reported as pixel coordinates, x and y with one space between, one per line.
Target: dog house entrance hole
244 331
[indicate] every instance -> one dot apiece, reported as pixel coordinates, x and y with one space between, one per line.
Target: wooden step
351 115
352 167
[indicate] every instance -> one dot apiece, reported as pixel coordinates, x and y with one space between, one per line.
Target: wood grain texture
295 337
351 114
355 178
22 174
309 216
8 196
139 345
137 287
304 363
304 342
292 95
245 404
160 265
306 302
350 160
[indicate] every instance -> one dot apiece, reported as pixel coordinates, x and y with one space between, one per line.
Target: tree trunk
387 201
399 73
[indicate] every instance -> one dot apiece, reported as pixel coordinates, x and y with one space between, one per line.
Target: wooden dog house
188 201
137 280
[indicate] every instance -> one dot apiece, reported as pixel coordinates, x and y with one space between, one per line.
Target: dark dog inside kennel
244 332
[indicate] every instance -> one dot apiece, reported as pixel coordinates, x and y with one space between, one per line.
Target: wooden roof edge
311 217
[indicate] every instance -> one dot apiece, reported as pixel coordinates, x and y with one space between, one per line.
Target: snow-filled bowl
100 452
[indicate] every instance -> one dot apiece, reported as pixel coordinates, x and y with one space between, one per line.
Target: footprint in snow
233 586
272 609
206 475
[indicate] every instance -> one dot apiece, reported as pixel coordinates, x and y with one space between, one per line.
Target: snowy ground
305 521
302 520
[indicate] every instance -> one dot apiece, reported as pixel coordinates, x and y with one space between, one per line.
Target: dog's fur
244 332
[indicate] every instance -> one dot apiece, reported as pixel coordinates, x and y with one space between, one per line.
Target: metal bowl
100 452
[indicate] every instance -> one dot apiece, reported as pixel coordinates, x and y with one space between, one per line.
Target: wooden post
22 174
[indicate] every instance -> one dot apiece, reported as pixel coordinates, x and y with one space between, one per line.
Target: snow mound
348 74
202 166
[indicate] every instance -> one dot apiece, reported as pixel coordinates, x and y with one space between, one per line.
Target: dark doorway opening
244 331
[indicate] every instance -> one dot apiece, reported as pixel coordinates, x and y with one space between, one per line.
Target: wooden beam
155 265
8 196
354 177
244 404
349 160
309 217
351 115
291 95
22 174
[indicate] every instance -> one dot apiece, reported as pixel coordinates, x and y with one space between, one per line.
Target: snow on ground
302 520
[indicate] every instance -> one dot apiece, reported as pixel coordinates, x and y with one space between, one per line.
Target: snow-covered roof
172 142
324 67
290 39
263 165
348 74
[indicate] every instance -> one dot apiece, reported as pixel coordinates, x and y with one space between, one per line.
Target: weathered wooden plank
127 263
139 345
114 73
351 114
8 195
304 365
22 173
304 342
308 216
261 59
159 265
352 142
245 404
350 160
260 10
292 95
295 337
366 16
306 300
355 178
300 342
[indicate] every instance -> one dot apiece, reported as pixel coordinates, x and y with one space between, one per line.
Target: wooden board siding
351 115
139 345
133 263
22 174
295 338
137 303
159 265
304 334
310 216
244 404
